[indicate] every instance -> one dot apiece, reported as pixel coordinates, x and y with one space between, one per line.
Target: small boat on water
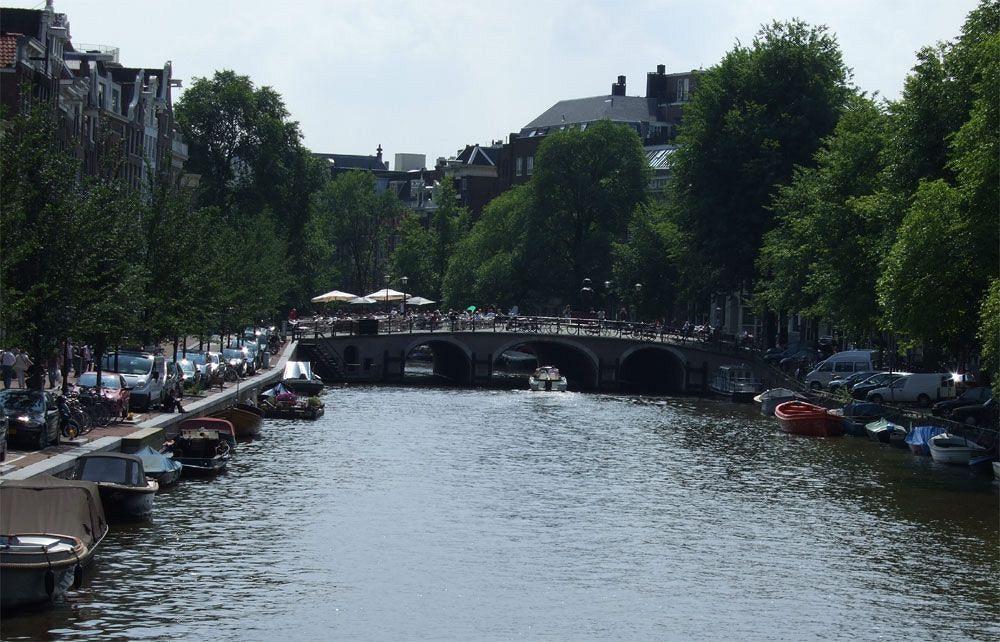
886 432
159 466
952 449
769 399
858 414
299 378
737 382
547 378
202 452
246 424
918 439
801 418
51 529
125 492
280 403
225 428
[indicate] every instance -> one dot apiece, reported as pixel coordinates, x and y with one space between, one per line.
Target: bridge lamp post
638 293
609 301
585 294
404 280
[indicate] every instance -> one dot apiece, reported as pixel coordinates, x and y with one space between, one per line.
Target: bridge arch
651 368
452 359
577 362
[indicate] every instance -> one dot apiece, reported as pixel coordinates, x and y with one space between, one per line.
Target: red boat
801 418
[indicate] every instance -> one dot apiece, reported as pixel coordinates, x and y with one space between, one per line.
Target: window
843 366
519 171
531 165
861 366
683 88
826 367
116 97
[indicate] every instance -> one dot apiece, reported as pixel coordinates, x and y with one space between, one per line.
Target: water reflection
458 514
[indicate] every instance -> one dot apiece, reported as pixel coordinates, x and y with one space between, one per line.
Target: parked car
971 397
144 373
113 388
174 380
841 364
964 381
32 416
775 355
848 382
236 358
207 364
984 414
189 373
921 387
802 357
253 357
861 390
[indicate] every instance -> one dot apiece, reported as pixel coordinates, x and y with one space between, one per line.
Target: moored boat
880 430
51 528
224 428
952 449
202 452
736 382
801 418
125 492
919 437
769 399
246 424
299 377
160 466
858 414
547 378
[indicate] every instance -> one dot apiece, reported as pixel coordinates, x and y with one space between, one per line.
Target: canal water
425 513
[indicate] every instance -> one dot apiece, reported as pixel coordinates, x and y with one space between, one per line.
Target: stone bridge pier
472 359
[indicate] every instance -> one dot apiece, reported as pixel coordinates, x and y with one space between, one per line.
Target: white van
922 388
840 365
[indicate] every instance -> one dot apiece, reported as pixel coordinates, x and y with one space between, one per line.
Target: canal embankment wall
155 430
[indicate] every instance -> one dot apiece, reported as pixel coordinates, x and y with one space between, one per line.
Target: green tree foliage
823 256
251 161
757 114
989 330
648 257
349 230
925 288
412 257
488 264
586 184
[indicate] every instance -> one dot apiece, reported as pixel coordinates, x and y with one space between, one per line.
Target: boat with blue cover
919 439
159 466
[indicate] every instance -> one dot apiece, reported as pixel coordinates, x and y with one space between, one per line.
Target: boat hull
203 466
949 449
547 385
313 412
246 424
800 418
23 571
128 504
167 477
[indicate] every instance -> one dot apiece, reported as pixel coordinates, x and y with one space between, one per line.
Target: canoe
245 423
801 418
952 449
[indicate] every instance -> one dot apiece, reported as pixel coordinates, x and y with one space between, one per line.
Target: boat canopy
46 504
298 370
155 462
115 468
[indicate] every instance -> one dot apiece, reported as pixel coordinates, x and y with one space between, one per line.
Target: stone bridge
472 358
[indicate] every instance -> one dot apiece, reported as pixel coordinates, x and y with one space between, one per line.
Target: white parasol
419 300
361 300
386 295
334 296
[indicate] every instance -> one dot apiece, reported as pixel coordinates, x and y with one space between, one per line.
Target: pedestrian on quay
88 357
21 364
7 367
52 366
77 361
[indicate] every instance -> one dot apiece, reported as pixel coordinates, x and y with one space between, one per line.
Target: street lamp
638 293
404 280
585 293
609 301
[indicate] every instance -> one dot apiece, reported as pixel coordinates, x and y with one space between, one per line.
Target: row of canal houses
106 111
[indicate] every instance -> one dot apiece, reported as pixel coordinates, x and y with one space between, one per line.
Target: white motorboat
547 378
126 493
769 399
952 449
51 527
737 382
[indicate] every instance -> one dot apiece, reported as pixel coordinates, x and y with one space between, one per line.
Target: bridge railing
520 324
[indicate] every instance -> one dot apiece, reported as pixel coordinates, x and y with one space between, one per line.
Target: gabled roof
477 155
629 109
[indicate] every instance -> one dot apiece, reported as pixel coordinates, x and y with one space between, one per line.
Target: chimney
618 89
661 69
378 154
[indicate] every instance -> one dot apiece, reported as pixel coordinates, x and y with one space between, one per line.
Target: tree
649 257
758 114
989 330
413 258
586 184
351 228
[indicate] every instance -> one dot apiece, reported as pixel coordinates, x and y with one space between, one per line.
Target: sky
431 76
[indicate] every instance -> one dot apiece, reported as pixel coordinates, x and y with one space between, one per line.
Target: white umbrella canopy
419 300
386 295
334 295
361 300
